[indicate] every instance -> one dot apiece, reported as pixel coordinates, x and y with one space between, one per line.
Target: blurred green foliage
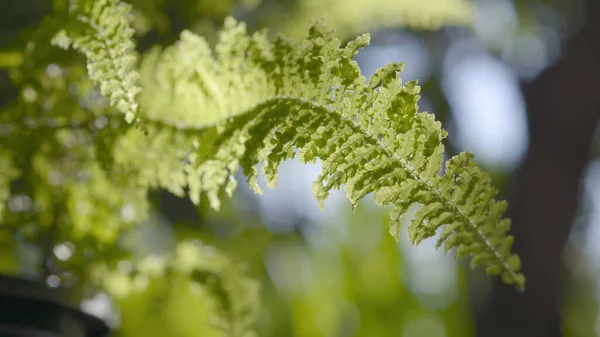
354 280
68 217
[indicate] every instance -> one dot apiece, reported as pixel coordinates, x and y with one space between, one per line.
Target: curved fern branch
260 102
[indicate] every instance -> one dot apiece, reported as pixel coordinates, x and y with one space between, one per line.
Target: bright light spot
47 105
83 207
101 122
140 282
30 122
53 70
118 285
153 265
29 94
488 108
128 212
20 203
99 306
63 251
124 267
55 178
53 281
208 251
83 175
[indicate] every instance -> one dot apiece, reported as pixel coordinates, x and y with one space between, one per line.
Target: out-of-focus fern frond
100 30
235 295
352 17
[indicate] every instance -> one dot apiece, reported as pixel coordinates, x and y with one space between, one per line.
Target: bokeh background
516 82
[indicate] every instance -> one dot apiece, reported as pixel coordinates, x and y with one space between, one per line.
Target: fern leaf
100 30
254 101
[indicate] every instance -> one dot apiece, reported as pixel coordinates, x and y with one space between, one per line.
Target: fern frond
254 102
235 295
100 30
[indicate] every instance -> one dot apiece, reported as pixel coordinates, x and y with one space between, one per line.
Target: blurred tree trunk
563 106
